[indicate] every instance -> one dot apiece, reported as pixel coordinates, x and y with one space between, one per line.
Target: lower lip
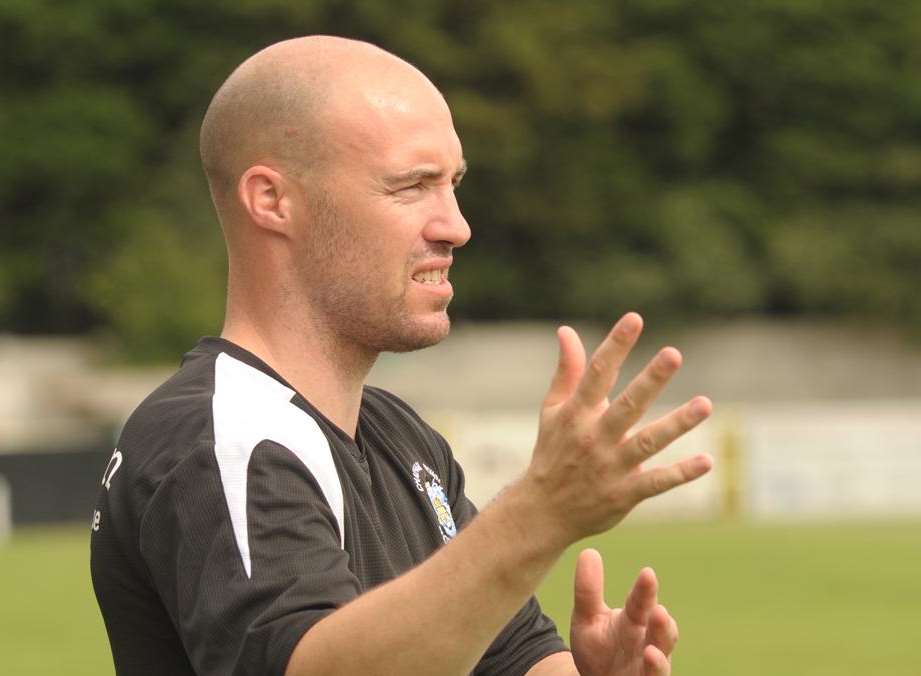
441 289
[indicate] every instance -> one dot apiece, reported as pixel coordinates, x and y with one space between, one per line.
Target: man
265 513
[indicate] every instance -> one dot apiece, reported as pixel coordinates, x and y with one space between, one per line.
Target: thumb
569 368
589 587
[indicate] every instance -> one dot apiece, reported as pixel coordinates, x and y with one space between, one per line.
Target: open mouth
431 276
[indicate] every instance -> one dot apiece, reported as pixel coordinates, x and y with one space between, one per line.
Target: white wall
825 460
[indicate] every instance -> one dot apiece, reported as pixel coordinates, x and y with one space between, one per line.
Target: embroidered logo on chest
427 482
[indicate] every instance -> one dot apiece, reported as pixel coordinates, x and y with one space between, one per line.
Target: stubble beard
353 302
357 313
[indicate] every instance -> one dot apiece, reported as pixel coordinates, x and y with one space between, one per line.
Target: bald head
282 107
332 165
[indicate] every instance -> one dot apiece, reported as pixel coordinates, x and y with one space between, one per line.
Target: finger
569 368
659 434
589 587
604 366
660 479
642 598
655 663
662 631
630 405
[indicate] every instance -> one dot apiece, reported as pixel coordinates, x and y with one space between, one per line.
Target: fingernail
701 406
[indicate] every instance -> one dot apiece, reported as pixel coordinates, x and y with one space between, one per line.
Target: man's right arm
584 477
442 615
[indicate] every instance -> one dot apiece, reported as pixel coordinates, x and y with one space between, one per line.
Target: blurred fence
806 460
827 422
52 486
6 510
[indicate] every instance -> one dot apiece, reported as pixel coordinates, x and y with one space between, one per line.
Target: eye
415 186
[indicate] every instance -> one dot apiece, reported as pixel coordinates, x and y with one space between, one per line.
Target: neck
326 370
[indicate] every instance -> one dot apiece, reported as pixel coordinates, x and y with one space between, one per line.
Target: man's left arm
557 664
637 640
530 638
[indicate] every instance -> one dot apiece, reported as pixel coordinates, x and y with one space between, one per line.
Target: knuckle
628 402
566 415
658 483
586 441
621 495
597 366
659 372
646 443
615 501
689 419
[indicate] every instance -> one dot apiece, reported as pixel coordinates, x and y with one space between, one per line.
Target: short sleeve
231 621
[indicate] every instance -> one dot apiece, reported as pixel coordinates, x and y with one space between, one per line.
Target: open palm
636 640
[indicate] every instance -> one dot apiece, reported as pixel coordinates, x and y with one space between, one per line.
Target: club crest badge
427 482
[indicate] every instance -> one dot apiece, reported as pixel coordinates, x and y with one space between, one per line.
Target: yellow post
730 469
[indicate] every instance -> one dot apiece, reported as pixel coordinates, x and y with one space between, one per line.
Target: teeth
431 276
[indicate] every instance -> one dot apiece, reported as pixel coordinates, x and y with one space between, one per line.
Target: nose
449 224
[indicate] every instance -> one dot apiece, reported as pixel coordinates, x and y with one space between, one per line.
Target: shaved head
332 165
276 108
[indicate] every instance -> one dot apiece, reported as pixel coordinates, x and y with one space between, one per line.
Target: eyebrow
425 173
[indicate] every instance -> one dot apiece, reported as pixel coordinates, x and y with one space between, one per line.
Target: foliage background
687 159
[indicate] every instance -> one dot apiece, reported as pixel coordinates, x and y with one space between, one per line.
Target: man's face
382 231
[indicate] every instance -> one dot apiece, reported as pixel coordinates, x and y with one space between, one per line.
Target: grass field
811 600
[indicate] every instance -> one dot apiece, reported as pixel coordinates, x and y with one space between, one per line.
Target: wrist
531 520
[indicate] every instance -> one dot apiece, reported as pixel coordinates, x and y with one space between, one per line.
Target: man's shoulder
172 420
382 404
399 421
384 401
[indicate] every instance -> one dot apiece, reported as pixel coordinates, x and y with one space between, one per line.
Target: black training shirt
233 516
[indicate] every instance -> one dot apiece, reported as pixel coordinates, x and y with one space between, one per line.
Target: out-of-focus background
746 175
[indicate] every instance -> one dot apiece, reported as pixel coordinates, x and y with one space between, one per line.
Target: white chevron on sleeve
249 407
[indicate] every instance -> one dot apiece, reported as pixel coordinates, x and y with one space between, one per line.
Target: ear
263 194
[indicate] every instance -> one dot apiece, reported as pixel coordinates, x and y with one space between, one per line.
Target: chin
416 333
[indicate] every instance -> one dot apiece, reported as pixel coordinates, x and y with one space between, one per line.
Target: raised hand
636 640
586 468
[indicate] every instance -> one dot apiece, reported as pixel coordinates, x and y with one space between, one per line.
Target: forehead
385 128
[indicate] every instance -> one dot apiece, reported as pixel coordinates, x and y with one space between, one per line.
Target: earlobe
261 191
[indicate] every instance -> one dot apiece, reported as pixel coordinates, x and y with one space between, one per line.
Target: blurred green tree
687 159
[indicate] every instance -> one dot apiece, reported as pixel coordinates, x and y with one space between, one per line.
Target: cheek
383 247
379 267
394 253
